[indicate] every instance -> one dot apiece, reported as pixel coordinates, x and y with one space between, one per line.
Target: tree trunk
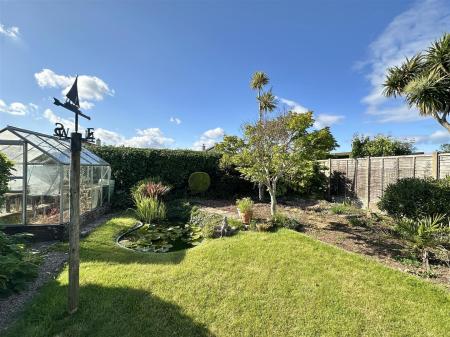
260 191
425 262
273 198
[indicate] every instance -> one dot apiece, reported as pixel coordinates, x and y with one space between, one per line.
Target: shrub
416 198
245 205
148 209
152 188
342 209
17 267
210 223
199 182
425 234
6 166
280 220
131 165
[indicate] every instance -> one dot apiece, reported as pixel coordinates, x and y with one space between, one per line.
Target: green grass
252 284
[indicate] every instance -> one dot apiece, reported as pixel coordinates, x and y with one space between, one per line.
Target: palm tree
267 103
258 82
424 81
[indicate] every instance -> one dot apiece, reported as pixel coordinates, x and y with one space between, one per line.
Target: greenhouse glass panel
43 162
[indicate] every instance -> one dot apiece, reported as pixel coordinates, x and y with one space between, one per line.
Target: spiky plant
425 234
424 81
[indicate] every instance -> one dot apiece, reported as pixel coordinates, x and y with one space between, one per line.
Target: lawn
252 284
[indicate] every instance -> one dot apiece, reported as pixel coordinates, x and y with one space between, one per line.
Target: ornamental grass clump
245 209
148 210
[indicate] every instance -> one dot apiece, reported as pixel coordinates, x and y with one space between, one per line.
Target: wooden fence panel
365 179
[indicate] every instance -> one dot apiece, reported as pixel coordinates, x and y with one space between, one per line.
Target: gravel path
52 264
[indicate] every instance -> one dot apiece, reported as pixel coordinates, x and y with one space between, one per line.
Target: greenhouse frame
43 162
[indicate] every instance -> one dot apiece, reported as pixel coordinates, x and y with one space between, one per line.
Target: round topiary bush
415 198
199 182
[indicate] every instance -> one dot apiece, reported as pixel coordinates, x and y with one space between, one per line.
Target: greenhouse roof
46 147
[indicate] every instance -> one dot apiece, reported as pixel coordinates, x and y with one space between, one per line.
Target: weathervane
72 103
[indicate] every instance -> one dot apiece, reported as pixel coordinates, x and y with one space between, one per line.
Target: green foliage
276 149
425 233
445 148
6 167
151 187
363 146
160 239
208 222
17 266
199 182
148 210
416 198
244 205
235 223
342 208
424 81
131 165
279 220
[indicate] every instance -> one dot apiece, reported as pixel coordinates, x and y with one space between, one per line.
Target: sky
175 74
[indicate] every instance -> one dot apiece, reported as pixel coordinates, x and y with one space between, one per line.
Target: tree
266 103
379 146
276 148
445 148
424 81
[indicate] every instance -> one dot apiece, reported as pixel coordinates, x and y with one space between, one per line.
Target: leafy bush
235 223
148 209
210 223
199 182
363 146
152 188
416 198
279 220
425 234
6 166
17 266
244 205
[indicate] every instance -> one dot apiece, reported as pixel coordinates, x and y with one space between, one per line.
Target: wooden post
368 182
414 167
74 226
329 179
435 165
24 183
382 176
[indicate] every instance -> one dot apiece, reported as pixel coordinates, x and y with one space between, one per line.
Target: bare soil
373 237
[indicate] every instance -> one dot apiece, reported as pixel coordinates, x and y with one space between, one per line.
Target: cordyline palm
267 103
424 81
258 82
425 234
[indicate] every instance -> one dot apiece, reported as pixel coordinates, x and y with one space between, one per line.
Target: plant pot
246 217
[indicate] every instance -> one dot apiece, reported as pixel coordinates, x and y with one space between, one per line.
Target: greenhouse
39 186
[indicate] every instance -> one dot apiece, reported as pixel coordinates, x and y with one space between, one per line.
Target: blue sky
176 73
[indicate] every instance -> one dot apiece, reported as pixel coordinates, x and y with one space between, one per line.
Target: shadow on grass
105 311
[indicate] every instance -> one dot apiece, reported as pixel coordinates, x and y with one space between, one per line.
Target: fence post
368 182
382 176
414 166
435 165
329 178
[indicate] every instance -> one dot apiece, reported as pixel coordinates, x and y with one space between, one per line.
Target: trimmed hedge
199 182
130 165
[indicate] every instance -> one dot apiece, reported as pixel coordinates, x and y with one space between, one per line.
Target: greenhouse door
16 197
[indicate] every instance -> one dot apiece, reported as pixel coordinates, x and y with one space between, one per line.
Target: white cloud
17 108
11 32
437 137
90 88
209 138
293 106
175 120
323 120
407 34
151 137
